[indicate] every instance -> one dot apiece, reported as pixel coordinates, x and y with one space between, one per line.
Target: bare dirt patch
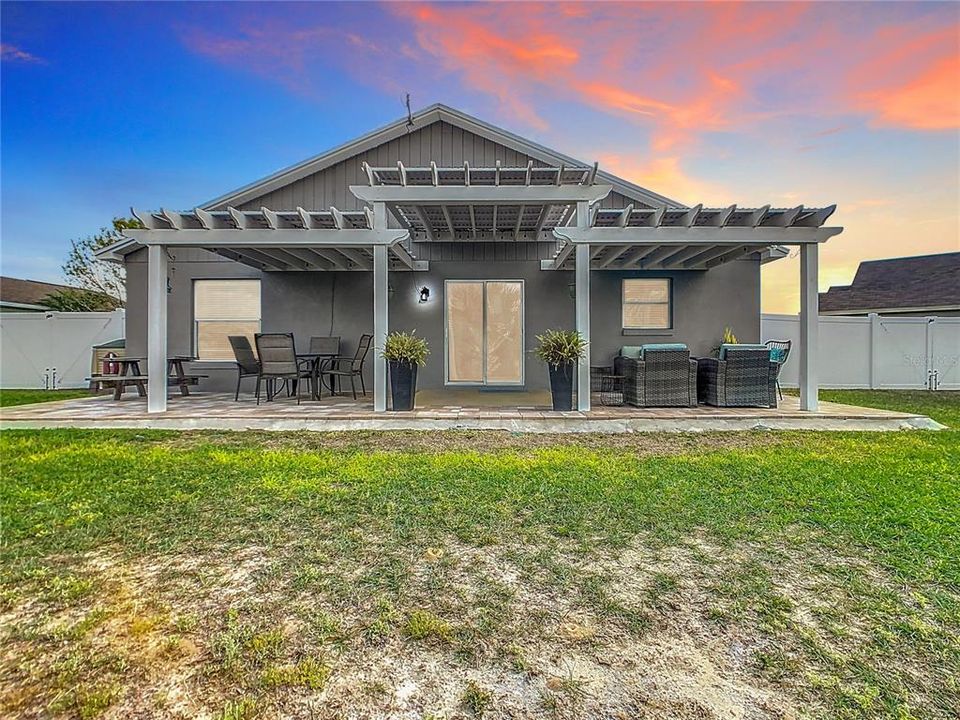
689 630
484 441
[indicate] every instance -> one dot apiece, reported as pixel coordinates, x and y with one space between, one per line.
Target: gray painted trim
434 113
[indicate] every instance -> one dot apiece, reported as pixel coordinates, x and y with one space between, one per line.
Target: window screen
646 304
222 308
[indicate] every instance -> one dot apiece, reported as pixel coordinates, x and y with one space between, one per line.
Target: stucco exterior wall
328 303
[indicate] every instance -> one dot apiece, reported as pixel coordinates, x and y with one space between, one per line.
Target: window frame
624 302
195 335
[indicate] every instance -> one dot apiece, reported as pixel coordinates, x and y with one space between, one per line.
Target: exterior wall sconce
572 289
424 294
390 291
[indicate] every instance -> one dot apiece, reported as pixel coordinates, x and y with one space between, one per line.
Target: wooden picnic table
129 373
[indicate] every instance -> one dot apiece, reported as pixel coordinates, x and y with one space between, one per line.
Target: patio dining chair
351 367
278 361
779 352
247 363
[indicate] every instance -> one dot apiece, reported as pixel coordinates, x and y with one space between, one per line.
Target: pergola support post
583 309
380 313
156 329
809 327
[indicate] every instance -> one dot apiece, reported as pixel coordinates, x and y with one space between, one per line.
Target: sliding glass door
484 332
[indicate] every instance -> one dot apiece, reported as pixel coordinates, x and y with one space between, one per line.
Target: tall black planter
403 384
561 386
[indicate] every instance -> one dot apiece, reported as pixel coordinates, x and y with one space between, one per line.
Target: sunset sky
105 106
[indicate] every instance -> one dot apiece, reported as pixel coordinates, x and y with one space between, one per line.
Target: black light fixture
572 289
424 294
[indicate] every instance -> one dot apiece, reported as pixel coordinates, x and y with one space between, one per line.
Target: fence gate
53 350
944 353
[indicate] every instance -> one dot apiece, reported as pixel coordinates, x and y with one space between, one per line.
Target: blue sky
110 105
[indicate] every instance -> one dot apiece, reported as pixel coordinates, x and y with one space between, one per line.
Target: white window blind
646 304
222 308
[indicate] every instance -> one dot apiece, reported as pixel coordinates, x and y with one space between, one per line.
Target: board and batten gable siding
441 142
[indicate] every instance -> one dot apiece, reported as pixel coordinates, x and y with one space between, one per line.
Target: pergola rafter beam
449 221
706 254
731 235
734 254
615 253
356 257
261 257
262 237
403 255
636 255
516 227
481 194
681 256
422 217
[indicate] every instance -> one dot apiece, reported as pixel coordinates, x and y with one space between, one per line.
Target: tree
79 300
89 274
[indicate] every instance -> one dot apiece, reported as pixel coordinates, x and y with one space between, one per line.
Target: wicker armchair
743 376
660 377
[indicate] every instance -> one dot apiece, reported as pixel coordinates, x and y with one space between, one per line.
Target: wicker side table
611 390
597 373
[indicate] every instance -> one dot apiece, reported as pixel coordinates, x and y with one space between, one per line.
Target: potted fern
404 352
561 350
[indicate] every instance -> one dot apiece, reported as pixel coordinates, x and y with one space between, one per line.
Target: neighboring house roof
27 294
422 118
922 282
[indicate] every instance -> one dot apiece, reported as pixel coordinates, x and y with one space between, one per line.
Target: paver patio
476 411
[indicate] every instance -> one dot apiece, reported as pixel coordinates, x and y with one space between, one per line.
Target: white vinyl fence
875 351
53 350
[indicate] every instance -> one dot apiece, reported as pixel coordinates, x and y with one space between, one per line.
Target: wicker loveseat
743 376
657 375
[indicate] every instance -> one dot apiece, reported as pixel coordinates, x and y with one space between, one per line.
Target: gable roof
30 293
905 283
434 113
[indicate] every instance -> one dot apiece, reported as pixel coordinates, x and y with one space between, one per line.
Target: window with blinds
646 304
222 308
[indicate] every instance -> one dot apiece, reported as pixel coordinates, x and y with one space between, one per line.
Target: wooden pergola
466 204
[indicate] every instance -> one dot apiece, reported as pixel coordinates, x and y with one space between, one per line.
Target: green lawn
943 405
465 574
9 398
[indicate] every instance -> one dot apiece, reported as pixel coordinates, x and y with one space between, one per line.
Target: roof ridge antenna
410 124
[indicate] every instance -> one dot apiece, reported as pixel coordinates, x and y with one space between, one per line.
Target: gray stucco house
510 238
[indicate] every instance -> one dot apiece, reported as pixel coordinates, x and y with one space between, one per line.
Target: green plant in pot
728 339
561 350
404 352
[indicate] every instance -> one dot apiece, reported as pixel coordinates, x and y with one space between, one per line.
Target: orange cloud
666 176
930 101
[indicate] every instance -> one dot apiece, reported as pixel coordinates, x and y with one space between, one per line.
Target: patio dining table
316 377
